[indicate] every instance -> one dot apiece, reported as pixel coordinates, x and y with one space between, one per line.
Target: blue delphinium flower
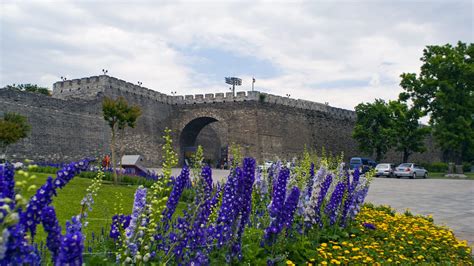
65 175
245 196
310 182
279 192
119 222
18 249
229 210
175 195
290 206
350 198
7 182
41 199
284 217
369 226
7 186
332 207
322 194
138 208
72 244
206 174
52 228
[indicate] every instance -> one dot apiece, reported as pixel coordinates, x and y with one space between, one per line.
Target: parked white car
384 169
410 170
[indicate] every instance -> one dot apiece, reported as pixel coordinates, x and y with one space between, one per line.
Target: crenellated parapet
242 96
91 87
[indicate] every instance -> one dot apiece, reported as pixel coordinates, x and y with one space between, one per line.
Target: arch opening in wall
208 132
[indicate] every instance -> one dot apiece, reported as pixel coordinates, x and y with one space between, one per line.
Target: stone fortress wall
268 126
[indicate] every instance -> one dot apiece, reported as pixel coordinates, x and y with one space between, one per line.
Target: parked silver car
384 169
410 170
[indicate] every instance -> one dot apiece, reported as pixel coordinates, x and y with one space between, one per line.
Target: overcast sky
341 52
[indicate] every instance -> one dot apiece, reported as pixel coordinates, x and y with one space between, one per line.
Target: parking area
451 202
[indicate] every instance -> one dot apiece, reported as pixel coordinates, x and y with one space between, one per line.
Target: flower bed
383 236
272 217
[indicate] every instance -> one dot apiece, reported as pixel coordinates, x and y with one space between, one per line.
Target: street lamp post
234 81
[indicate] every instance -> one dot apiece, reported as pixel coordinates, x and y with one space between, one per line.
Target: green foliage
373 129
118 115
438 167
236 155
29 88
13 127
197 161
444 89
408 135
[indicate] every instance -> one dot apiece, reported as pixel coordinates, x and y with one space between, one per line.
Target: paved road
451 202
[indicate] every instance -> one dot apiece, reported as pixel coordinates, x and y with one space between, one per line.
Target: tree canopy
373 129
29 88
118 115
13 127
444 90
408 135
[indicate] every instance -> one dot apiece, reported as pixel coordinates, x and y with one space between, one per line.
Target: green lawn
469 175
68 203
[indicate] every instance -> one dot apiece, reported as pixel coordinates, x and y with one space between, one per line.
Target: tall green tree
118 115
373 128
130 117
444 90
408 135
13 127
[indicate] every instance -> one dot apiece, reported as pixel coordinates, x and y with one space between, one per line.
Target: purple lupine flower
290 206
207 176
72 244
52 228
119 222
245 196
279 192
331 209
175 195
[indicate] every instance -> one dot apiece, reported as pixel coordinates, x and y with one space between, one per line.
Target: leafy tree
408 135
444 90
29 88
13 127
373 129
130 117
118 115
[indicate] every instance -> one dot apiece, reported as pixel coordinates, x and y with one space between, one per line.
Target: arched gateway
211 134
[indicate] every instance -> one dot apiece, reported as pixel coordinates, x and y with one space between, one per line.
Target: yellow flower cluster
397 239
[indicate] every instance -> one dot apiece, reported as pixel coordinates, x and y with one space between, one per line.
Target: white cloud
309 43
